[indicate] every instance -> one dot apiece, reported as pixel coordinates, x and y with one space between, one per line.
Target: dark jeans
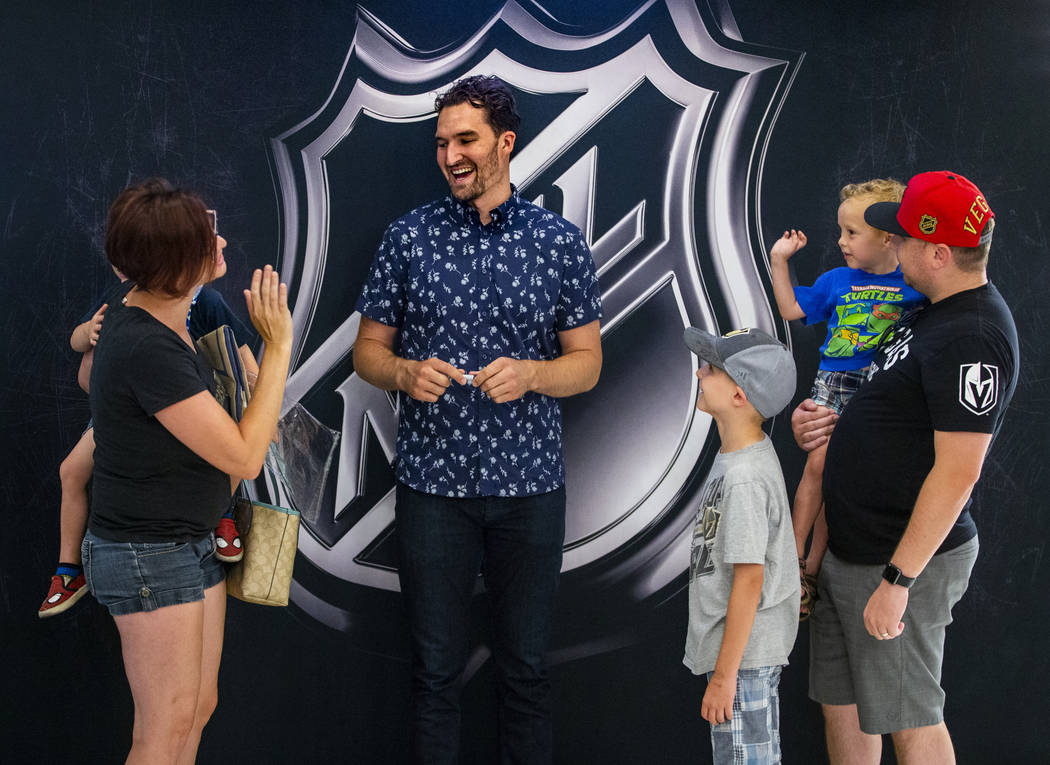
443 543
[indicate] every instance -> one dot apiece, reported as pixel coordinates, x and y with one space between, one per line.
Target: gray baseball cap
760 364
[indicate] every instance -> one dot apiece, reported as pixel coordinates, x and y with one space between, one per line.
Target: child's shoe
65 591
228 541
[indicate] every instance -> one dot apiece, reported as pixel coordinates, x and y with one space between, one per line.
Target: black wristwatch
893 575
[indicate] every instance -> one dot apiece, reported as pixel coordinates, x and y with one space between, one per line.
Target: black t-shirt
110 297
952 369
148 486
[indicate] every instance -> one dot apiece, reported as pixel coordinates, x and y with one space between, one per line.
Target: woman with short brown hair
166 455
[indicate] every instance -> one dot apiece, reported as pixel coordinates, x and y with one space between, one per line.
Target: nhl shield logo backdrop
650 137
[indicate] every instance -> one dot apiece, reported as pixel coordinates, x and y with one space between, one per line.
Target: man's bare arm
576 370
375 362
958 458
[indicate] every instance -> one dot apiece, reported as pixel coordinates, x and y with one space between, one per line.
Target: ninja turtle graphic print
859 308
469 293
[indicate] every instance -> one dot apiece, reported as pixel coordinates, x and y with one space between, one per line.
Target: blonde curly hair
879 189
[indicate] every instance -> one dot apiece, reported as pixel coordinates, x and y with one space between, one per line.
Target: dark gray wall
97 94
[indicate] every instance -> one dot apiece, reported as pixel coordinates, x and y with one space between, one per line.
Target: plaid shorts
834 389
752 737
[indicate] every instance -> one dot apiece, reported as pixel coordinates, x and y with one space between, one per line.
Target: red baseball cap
940 207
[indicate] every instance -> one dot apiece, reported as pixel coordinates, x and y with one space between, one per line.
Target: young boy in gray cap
743 582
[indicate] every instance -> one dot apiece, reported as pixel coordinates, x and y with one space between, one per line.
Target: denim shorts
752 736
834 389
128 577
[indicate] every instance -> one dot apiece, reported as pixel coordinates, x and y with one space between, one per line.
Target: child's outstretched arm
717 706
85 335
779 254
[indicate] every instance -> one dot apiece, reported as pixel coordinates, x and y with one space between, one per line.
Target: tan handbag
270 536
269 533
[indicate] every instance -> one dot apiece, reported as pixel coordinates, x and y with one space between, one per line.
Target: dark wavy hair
160 237
486 92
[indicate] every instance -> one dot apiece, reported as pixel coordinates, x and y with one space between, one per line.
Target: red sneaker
228 542
64 593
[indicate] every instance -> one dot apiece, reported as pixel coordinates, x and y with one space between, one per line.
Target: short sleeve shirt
953 369
744 517
148 486
469 293
859 308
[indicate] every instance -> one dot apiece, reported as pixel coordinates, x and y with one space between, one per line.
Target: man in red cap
901 464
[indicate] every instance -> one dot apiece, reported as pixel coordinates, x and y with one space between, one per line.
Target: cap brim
883 216
703 344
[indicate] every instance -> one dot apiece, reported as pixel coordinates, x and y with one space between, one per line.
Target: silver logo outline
601 87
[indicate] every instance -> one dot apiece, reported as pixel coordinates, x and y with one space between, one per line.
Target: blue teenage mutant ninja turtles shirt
469 293
859 308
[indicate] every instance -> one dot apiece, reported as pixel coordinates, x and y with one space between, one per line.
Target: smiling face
863 247
220 260
474 160
218 265
715 391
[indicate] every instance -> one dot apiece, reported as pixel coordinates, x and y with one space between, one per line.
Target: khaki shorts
894 683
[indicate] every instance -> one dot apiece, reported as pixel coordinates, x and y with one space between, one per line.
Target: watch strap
893 575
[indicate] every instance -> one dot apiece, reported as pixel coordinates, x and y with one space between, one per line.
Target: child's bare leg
67 584
804 519
808 500
818 545
75 472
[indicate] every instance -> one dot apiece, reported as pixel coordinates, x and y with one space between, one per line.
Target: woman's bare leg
163 656
208 695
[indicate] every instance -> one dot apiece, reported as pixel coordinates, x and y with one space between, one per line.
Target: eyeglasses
214 220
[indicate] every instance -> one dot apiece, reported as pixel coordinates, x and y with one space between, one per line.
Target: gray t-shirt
744 517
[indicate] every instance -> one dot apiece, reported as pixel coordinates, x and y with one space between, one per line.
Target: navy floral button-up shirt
468 294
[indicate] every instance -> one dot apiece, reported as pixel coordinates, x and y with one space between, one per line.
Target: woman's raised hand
267 301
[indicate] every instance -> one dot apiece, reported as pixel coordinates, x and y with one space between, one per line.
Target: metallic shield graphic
650 137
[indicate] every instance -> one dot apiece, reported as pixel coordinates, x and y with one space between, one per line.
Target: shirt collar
466 213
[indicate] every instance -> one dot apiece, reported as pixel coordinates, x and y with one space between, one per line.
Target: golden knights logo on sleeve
979 387
706 528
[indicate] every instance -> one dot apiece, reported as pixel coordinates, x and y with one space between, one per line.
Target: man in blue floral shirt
482 309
